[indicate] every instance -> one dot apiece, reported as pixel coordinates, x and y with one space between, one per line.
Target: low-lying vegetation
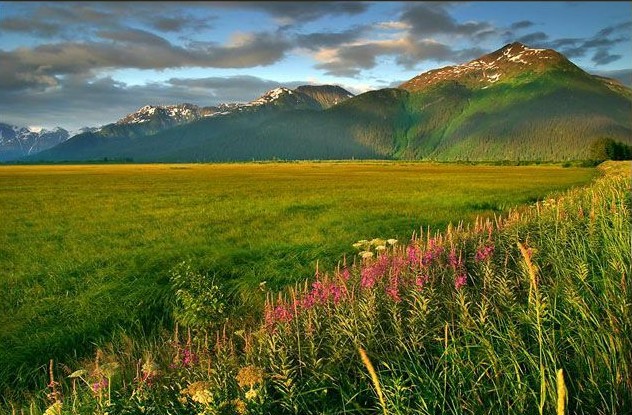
88 251
524 313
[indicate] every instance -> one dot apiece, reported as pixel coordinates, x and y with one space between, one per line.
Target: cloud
535 38
318 40
20 25
349 60
241 88
298 12
603 57
433 19
70 21
43 65
522 24
598 45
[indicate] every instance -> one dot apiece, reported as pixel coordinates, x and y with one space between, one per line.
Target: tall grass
87 251
524 313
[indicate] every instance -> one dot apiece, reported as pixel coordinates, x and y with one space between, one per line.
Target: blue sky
76 64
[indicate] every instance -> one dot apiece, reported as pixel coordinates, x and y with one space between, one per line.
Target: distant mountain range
516 103
17 142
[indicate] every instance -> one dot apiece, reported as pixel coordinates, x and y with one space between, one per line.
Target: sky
87 64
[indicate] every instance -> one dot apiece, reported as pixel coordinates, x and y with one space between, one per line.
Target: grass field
87 250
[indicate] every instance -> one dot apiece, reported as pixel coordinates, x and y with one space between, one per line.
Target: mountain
17 142
326 95
225 132
516 103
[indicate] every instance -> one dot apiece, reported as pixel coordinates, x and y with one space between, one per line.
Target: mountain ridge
17 142
515 103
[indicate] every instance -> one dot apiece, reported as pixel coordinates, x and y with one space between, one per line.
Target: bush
200 301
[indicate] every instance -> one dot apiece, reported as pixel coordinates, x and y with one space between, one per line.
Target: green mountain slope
516 103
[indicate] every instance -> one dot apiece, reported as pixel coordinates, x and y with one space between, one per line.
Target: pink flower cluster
100 385
374 271
484 252
322 292
187 358
460 274
392 272
460 281
433 251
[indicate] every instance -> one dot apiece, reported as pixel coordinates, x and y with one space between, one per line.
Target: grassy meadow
88 251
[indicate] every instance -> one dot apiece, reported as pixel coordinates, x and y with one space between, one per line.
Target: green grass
85 251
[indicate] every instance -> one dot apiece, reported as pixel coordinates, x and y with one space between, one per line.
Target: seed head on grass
374 378
561 393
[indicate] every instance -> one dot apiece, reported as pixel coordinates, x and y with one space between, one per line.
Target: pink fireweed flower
412 253
345 274
484 252
460 281
319 292
398 265
282 314
337 293
367 279
100 385
392 290
420 281
189 358
453 260
433 252
308 301
371 273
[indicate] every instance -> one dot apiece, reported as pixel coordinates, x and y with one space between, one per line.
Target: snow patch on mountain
17 142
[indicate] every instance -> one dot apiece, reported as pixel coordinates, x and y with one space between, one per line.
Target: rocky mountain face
326 95
503 65
17 142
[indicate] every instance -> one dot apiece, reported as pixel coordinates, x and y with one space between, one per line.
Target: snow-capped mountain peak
270 96
502 64
17 142
178 113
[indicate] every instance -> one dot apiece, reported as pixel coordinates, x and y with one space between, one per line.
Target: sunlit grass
85 250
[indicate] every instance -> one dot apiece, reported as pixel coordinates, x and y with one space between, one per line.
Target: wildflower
199 392
240 407
460 281
282 314
366 254
485 252
100 385
380 248
392 290
251 394
420 281
369 274
189 358
336 293
249 376
377 242
149 372
308 301
453 260
345 274
391 241
412 253
269 315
